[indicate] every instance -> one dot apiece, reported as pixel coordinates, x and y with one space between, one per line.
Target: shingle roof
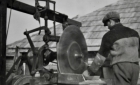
92 26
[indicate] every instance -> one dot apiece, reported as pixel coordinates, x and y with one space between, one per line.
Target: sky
20 22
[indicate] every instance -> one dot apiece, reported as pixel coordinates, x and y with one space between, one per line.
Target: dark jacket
121 44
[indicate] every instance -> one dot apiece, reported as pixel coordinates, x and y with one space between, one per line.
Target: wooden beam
3 14
25 8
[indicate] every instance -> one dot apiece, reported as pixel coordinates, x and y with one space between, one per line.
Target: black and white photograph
69 42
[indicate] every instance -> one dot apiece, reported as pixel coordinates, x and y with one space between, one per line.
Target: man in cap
121 44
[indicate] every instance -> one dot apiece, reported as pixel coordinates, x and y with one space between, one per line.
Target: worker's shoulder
121 32
131 32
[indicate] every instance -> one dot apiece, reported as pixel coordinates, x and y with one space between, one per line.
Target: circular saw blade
72 51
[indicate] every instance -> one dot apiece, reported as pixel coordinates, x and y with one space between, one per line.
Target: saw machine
71 54
71 61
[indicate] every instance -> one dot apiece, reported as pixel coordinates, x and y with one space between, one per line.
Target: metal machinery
71 53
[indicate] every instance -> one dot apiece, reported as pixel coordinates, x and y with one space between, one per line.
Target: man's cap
110 15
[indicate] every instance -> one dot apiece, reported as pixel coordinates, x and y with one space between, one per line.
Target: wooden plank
93 82
9 64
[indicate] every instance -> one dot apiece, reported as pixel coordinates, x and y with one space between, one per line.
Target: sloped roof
92 26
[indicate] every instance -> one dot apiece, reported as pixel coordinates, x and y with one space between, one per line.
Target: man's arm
99 58
97 63
94 67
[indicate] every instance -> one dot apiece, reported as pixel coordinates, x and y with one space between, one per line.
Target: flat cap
110 15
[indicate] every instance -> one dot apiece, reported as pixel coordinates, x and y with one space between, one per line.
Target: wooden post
3 14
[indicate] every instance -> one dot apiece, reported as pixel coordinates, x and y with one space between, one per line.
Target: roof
92 26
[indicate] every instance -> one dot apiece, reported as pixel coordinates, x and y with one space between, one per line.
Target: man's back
121 43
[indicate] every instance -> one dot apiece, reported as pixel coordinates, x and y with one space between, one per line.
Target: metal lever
34 30
34 52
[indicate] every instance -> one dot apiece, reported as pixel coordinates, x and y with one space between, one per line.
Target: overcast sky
19 22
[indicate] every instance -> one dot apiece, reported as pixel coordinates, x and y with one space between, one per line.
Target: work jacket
120 44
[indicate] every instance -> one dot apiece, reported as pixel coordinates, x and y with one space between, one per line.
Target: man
121 44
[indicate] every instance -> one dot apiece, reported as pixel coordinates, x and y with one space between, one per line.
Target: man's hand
86 74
